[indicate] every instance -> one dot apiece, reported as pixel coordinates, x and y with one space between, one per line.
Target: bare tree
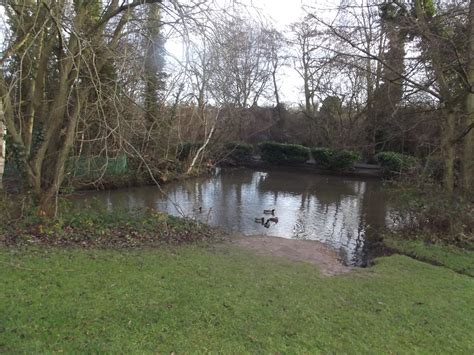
307 42
58 52
437 68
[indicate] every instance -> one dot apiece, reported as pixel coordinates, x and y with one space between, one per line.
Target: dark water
344 213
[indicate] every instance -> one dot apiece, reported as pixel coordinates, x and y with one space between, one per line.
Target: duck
272 219
260 220
199 209
269 211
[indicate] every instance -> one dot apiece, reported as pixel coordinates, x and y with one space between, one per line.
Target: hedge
396 163
334 159
277 153
238 151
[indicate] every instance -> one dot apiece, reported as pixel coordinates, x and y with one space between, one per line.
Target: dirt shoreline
309 251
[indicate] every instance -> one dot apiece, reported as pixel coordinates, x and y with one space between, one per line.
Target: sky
281 13
284 13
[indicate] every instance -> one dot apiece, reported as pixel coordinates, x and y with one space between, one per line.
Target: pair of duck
271 219
262 220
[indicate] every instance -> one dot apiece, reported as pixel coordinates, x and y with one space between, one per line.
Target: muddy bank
309 251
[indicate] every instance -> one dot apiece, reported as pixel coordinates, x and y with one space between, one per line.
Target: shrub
396 163
428 213
238 151
334 159
186 149
277 153
322 156
434 168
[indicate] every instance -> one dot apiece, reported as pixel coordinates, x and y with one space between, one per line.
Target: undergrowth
22 224
427 213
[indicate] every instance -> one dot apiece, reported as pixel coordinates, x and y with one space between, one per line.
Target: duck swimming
260 220
198 209
272 219
269 211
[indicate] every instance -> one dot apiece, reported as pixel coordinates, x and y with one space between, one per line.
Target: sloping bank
460 260
192 299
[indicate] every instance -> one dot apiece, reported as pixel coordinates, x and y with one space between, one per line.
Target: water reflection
344 213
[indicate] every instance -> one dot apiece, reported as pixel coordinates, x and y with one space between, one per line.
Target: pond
344 213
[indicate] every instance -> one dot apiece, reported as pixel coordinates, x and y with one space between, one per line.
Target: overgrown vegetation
238 151
94 226
187 149
428 214
334 159
394 163
283 154
432 226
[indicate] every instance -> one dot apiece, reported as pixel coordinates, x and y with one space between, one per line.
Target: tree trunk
2 144
154 64
448 149
388 95
276 93
203 147
467 155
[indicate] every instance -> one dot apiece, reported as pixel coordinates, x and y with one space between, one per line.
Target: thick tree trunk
154 64
388 95
467 158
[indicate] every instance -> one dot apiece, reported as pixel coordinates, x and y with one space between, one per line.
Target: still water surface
344 213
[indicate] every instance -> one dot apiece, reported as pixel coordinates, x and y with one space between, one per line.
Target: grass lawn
197 299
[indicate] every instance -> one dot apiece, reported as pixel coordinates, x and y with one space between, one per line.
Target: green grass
195 299
452 257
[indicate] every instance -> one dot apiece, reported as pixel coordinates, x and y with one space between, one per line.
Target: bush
334 159
428 213
276 153
396 163
434 169
322 156
186 149
238 151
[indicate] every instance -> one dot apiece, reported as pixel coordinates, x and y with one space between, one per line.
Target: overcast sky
281 13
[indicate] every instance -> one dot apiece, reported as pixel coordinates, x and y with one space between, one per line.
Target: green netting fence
86 167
